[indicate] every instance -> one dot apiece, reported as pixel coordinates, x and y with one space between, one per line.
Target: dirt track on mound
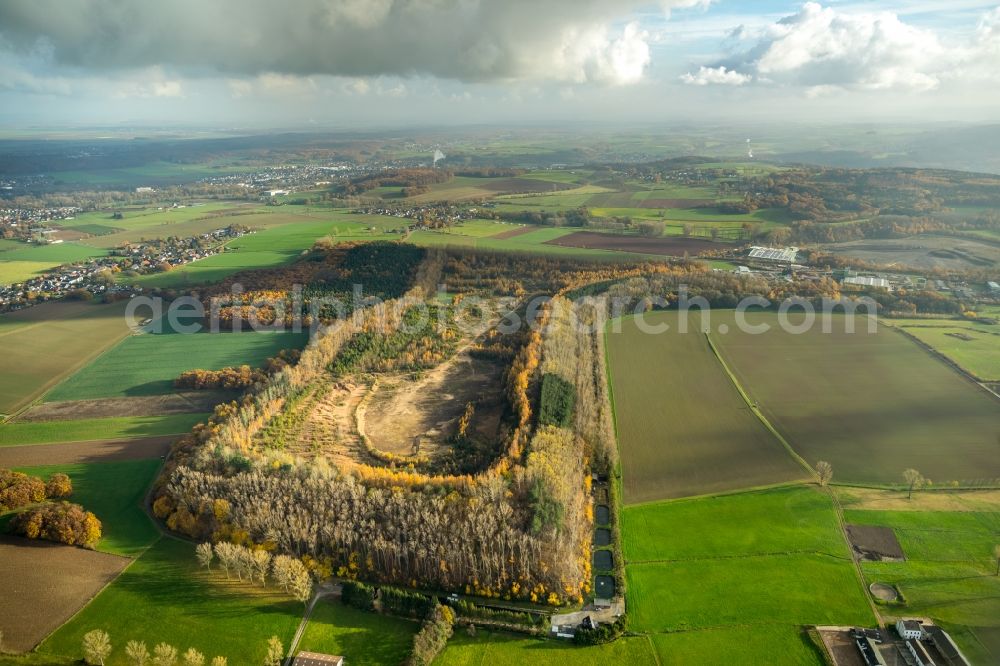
68 453
43 584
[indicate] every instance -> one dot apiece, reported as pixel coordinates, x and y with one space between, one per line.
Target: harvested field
874 543
870 404
683 427
922 252
33 601
670 247
85 452
513 233
522 185
179 403
53 340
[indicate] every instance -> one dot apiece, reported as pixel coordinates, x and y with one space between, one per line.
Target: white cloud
824 49
716 76
568 41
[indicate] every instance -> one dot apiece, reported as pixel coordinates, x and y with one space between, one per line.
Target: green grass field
165 596
364 638
975 350
125 427
497 649
114 492
276 245
47 342
871 405
751 558
533 242
683 428
737 645
148 364
950 571
25 261
785 520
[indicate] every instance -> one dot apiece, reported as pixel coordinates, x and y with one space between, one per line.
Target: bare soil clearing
875 544
514 233
416 417
153 405
670 247
85 452
883 592
43 584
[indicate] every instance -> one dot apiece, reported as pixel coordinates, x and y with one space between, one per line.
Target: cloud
824 49
573 41
716 76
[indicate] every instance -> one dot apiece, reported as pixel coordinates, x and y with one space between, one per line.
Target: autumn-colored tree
62 522
205 554
193 658
58 485
164 655
275 652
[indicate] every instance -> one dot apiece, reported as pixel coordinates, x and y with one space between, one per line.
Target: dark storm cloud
468 40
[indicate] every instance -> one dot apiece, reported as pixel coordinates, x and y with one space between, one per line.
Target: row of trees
97 649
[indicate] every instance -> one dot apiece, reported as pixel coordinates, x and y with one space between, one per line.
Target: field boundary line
838 510
756 410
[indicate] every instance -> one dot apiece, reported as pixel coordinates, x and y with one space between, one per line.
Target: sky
371 63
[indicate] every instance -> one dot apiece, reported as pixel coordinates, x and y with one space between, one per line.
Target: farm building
920 654
880 283
869 653
317 659
993 286
946 646
909 629
778 255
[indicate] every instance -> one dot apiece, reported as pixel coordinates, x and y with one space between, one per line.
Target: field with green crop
114 492
165 596
870 404
24 261
498 649
683 428
533 242
147 364
737 645
276 245
48 342
754 558
366 638
125 427
975 349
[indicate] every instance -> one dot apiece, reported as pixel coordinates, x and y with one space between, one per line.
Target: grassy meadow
122 427
166 596
367 638
23 261
499 649
114 492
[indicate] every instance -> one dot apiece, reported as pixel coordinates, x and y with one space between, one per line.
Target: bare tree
261 561
137 653
226 552
205 555
220 661
96 647
914 481
825 472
